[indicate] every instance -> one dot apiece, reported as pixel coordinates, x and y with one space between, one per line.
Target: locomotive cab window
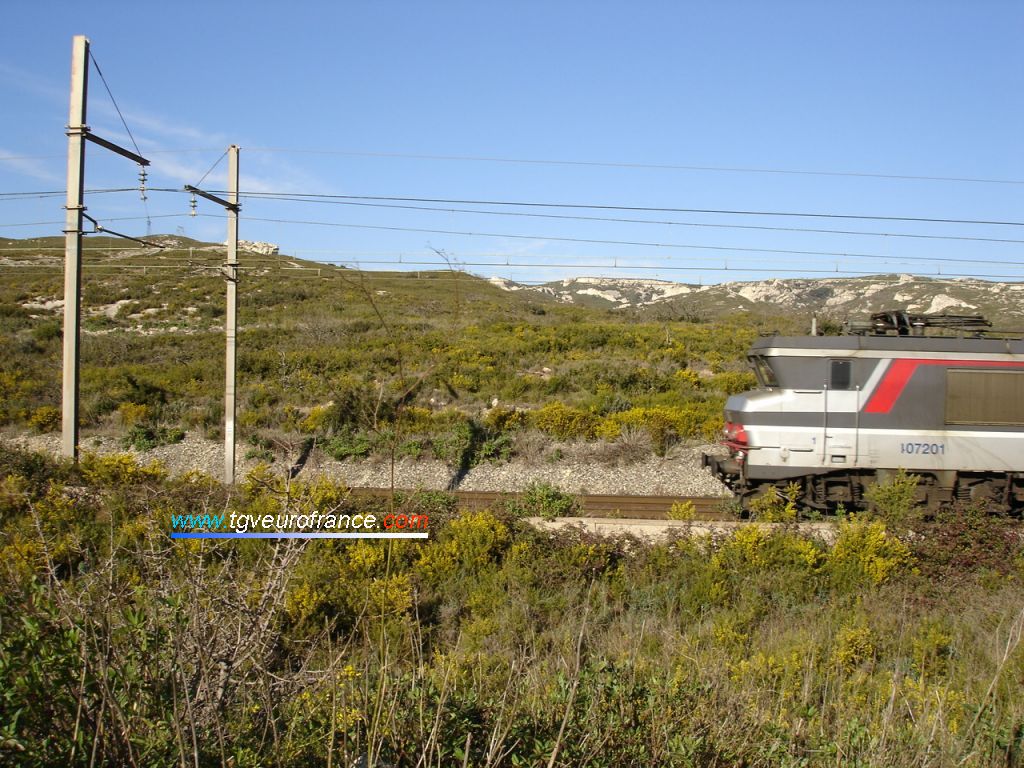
993 397
840 374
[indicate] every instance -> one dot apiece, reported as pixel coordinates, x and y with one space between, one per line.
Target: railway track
591 505
643 517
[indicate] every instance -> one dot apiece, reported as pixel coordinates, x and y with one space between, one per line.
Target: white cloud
171 166
31 167
160 139
32 83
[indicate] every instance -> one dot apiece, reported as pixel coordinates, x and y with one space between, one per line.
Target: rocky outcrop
258 246
838 296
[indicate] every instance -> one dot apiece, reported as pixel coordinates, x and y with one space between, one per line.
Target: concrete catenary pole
75 208
231 317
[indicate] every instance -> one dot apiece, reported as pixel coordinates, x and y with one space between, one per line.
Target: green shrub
134 389
353 406
349 445
143 437
965 539
260 454
500 419
497 449
894 499
48 331
415 419
263 396
413 449
455 445
544 500
439 506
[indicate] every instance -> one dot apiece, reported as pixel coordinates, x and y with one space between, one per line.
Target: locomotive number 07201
923 449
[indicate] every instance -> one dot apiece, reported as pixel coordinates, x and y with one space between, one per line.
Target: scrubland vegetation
491 643
361 362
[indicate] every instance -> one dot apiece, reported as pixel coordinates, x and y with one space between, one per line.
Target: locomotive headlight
735 439
735 436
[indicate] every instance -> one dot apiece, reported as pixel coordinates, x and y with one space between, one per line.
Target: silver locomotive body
835 414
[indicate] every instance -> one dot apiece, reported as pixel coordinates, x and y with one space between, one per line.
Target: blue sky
620 100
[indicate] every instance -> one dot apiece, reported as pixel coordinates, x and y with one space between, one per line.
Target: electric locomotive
835 414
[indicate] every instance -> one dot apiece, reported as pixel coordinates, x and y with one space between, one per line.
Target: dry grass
634 444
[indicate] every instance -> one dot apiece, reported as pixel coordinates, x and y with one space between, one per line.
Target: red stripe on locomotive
900 372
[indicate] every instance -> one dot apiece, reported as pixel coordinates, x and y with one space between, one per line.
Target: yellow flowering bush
119 469
754 547
687 378
853 647
134 413
665 423
682 510
500 419
478 537
315 420
390 594
467 544
931 647
563 421
45 418
22 554
365 558
779 674
437 563
775 507
14 495
864 551
303 600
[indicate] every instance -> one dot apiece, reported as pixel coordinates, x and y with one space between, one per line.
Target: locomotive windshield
763 371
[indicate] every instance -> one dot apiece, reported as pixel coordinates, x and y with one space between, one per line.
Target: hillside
835 297
430 364
440 365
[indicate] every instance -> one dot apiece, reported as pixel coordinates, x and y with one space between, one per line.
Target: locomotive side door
840 414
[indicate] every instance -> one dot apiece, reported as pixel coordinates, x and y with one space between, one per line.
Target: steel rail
590 505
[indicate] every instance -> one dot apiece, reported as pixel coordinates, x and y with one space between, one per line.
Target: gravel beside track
660 530
574 468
